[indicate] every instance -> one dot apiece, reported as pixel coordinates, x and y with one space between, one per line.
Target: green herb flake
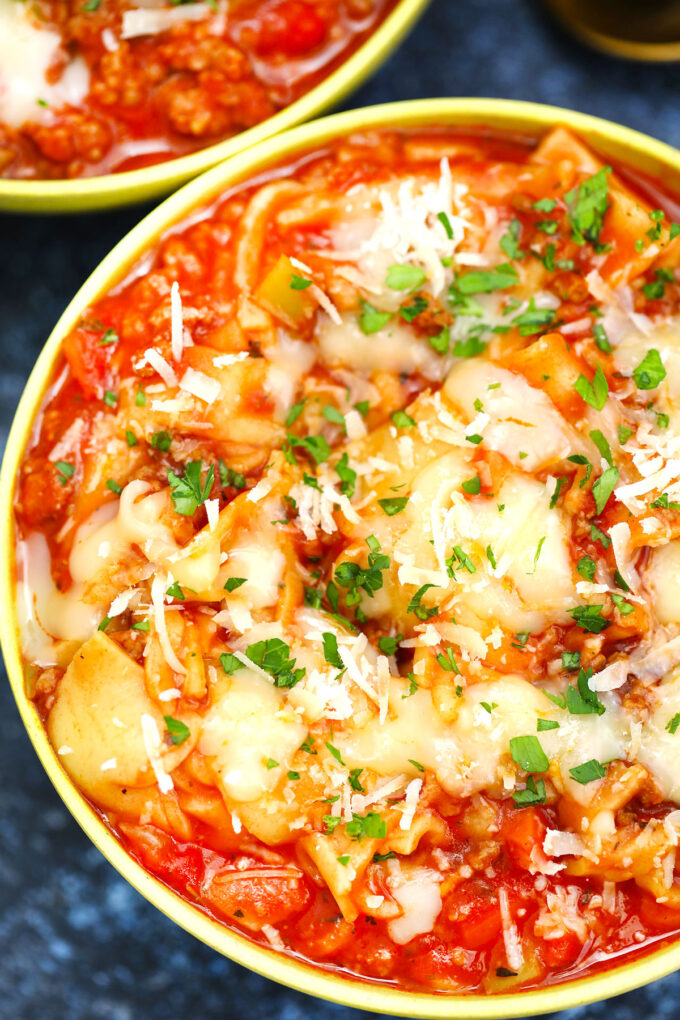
532 794
405 277
177 730
186 490
589 618
234 582
528 754
588 772
594 393
371 319
393 505
604 487
650 372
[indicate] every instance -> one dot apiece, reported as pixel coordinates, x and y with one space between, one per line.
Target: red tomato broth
466 950
156 97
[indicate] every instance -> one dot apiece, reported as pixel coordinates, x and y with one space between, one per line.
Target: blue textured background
76 942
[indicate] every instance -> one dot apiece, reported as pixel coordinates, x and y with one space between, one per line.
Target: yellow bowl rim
625 49
111 190
350 991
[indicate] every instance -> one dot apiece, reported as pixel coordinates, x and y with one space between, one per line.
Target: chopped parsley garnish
510 241
393 505
603 446
545 205
143 625
672 724
412 311
402 420
580 699
650 372
114 486
64 471
596 392
316 446
230 663
370 826
162 441
485 281
655 290
446 223
588 772
534 793
559 483
234 582
468 348
299 282
599 536
604 486
330 650
354 578
333 415
472 486
587 205
229 477
586 567
447 662
589 618
353 780
175 592
533 320
624 434
389 645
415 606
273 656
187 492
528 754
625 608
405 277
131 438
294 413
546 724
108 338
440 343
177 730
601 338
271 763
661 503
347 476
460 557
578 458
372 320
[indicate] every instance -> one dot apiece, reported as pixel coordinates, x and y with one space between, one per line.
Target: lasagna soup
90 87
348 565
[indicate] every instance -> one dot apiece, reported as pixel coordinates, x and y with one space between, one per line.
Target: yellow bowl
609 140
111 190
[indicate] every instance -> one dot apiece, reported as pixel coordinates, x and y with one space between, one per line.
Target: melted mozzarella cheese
523 420
659 749
248 724
27 51
46 615
663 578
417 891
396 348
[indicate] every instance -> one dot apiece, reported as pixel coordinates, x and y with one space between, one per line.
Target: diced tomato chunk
659 916
179 864
290 28
524 832
88 360
561 952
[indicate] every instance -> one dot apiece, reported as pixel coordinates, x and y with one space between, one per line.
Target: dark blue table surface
76 942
